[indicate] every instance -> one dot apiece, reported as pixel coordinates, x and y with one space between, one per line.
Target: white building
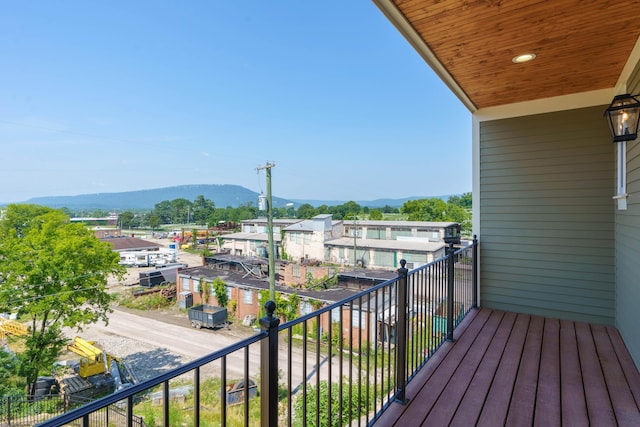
305 239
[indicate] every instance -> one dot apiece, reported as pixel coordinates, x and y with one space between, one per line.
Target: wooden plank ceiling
581 45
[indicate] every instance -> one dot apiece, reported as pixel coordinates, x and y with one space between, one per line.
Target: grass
181 409
153 301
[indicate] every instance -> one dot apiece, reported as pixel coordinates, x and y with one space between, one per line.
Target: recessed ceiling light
526 57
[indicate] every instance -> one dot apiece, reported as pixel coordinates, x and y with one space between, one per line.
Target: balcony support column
401 335
269 368
451 259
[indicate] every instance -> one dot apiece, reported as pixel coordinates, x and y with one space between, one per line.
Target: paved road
154 345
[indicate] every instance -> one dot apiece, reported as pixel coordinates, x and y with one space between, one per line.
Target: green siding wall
628 248
547 215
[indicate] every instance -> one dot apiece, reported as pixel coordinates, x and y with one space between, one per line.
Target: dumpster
208 316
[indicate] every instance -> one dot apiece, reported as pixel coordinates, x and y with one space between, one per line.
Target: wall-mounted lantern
452 234
623 115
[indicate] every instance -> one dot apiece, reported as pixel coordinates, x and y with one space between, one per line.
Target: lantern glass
624 116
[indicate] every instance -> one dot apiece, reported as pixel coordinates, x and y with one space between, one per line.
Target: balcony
413 350
514 369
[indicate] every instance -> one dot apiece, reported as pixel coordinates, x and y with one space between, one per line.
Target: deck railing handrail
382 336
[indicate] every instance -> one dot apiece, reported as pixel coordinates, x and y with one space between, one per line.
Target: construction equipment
12 327
93 360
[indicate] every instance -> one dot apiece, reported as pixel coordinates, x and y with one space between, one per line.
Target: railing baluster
340 366
130 411
165 403
330 356
289 379
350 390
318 370
376 328
304 372
246 385
196 397
475 271
223 390
360 345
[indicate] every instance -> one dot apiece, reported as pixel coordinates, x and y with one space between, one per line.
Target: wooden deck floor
520 370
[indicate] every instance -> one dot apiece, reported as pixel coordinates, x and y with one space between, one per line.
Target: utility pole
270 254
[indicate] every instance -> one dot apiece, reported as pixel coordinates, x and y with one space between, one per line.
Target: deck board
429 393
622 401
495 410
547 410
447 404
474 398
571 388
515 369
523 398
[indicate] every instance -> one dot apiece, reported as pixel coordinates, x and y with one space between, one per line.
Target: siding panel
628 246
547 220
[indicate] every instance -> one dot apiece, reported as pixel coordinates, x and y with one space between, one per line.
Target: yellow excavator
12 327
93 361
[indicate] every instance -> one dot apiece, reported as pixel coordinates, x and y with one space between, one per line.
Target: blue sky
116 96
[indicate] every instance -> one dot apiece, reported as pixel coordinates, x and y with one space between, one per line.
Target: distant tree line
203 212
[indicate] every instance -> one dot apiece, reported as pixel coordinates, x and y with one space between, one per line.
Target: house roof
276 221
402 245
235 279
396 224
584 50
368 274
251 236
130 244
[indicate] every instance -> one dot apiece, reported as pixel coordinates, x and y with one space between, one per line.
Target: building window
335 315
229 293
357 319
196 285
295 270
186 284
305 308
247 296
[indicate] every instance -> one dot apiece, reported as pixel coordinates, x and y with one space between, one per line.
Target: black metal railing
342 364
27 411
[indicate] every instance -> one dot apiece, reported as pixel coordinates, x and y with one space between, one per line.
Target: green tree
375 215
126 218
305 211
164 210
432 209
202 209
154 221
220 291
181 211
464 201
55 274
10 384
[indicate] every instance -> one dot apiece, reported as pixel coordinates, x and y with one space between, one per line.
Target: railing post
269 368
451 259
475 271
401 335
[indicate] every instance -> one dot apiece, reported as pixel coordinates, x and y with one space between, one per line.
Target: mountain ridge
223 195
